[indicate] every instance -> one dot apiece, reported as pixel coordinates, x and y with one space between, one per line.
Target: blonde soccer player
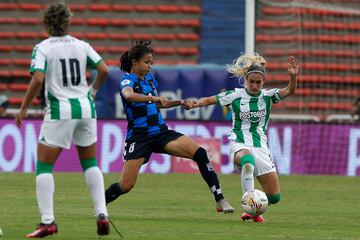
250 108
60 62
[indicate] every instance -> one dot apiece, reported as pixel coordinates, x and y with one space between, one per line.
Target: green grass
180 206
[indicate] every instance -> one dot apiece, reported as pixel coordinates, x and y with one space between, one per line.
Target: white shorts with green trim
61 133
262 156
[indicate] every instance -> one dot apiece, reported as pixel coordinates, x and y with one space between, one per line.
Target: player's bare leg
127 180
186 147
270 183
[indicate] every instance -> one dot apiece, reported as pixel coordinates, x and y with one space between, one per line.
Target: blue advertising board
175 82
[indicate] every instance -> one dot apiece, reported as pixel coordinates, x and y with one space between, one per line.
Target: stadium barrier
307 148
175 82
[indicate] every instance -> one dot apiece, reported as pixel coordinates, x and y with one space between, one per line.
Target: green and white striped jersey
64 60
250 114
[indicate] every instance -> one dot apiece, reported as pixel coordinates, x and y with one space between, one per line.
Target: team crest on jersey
253 117
262 105
125 82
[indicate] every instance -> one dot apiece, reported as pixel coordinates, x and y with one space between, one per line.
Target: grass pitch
180 206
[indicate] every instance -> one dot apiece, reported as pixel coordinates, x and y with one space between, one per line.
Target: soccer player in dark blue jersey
147 131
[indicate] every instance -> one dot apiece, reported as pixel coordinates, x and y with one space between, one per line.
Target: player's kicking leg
184 146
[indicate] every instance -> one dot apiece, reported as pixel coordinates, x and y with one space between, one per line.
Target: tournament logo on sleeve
221 94
125 82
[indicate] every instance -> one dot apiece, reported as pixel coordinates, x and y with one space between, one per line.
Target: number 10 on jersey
74 66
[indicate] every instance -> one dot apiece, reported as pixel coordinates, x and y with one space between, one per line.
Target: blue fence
222 30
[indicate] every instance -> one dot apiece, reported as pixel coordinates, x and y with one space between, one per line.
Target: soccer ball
254 202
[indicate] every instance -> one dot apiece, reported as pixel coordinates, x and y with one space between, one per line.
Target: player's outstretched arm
172 103
205 101
34 87
131 96
293 70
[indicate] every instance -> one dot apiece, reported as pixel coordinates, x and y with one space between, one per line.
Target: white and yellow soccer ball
254 202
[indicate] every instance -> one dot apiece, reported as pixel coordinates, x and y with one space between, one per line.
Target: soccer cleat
103 227
43 230
224 206
258 219
246 216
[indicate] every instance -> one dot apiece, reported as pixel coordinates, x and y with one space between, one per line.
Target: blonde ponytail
241 64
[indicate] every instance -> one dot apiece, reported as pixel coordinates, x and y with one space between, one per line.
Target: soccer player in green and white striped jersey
60 62
250 108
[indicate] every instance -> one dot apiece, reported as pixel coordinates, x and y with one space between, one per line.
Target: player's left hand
293 65
20 116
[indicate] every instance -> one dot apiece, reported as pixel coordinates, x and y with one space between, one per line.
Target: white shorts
263 160
61 133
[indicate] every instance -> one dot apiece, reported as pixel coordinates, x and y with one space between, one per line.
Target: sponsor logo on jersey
252 116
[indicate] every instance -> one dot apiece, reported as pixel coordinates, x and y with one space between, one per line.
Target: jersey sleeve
225 98
93 58
38 60
274 95
126 82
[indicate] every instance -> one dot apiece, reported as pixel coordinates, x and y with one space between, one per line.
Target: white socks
44 193
95 182
247 177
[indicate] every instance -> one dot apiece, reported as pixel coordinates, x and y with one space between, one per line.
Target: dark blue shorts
145 146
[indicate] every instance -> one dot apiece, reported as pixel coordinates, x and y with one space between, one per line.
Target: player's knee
247 159
43 167
200 155
273 199
88 163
